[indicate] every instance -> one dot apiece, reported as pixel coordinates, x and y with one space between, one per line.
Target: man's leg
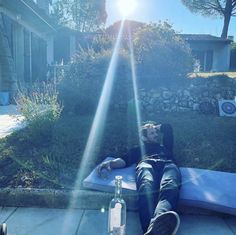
169 189
148 189
165 220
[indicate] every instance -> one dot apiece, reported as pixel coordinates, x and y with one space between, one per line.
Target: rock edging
85 199
52 198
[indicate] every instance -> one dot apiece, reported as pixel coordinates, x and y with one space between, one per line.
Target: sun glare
126 7
96 131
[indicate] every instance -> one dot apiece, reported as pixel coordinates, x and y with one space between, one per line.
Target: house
26 42
213 53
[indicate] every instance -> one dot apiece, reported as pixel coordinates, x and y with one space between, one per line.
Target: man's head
149 133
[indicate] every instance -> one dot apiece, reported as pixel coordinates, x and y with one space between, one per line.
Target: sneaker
165 224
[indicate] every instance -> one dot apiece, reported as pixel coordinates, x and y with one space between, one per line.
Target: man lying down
158 179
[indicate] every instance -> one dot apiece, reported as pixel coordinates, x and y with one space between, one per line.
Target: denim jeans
158 184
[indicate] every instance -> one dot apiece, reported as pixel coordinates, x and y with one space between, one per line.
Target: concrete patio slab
231 222
133 224
6 212
202 224
95 222
39 221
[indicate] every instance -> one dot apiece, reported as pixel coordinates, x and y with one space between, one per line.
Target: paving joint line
80 221
10 214
229 226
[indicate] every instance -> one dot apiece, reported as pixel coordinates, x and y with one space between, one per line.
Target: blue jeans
158 185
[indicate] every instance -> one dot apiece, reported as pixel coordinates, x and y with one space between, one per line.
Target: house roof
28 11
204 38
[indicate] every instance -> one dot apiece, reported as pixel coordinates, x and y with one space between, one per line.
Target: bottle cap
118 177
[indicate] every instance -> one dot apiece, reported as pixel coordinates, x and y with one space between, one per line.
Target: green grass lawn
50 156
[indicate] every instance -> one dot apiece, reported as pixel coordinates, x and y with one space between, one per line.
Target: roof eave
30 13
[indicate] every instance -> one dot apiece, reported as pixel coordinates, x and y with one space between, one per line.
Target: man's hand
109 165
103 166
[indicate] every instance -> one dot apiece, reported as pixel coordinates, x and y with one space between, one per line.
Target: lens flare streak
97 128
135 90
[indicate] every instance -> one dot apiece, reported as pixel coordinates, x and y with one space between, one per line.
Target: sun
126 7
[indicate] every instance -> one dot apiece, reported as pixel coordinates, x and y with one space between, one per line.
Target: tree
163 57
222 8
81 15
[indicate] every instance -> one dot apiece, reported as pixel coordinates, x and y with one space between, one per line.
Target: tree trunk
227 16
224 33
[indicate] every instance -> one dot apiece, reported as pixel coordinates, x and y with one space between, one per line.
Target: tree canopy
222 8
84 16
162 56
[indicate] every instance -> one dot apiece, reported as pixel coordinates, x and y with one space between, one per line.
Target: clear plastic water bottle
117 211
3 229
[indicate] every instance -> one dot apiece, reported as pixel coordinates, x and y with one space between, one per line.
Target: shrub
39 104
81 88
163 57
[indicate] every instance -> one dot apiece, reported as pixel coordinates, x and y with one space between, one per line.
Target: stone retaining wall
200 95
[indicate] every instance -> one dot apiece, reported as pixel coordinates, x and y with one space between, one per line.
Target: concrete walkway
10 120
42 221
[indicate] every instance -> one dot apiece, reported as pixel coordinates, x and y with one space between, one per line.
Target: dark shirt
153 150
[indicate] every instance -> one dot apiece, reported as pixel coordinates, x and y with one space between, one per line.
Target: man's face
152 135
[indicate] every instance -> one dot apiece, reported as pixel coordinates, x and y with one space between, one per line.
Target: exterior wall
25 49
221 54
233 59
26 43
62 48
7 65
50 50
222 58
19 52
27 55
1 81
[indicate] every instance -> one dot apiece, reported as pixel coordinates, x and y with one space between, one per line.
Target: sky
175 12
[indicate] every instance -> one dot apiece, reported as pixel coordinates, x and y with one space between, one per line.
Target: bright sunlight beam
96 132
126 7
135 89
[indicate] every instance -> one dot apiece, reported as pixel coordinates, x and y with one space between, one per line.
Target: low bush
39 104
81 88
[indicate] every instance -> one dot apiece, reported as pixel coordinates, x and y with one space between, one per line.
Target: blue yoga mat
208 189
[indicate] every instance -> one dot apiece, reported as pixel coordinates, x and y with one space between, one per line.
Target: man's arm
111 164
168 138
